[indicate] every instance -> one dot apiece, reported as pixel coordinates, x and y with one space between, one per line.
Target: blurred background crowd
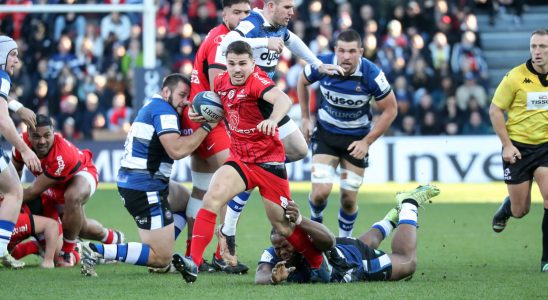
79 67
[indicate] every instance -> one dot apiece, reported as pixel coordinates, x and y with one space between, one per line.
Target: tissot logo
527 80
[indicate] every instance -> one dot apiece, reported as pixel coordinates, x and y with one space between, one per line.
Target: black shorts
532 157
376 264
325 142
150 210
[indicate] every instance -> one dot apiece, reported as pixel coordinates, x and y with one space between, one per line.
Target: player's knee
320 195
348 203
159 259
350 181
297 152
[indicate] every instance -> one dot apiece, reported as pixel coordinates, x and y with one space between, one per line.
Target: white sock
408 214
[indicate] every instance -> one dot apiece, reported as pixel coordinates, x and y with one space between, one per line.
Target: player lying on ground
350 259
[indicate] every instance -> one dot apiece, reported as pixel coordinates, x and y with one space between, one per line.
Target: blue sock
131 253
179 220
316 211
346 222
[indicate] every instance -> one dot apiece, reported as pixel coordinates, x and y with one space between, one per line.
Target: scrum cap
7 44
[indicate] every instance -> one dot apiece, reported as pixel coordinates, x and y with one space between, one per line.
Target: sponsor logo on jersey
537 101
527 80
262 79
20 229
60 165
269 57
231 94
337 99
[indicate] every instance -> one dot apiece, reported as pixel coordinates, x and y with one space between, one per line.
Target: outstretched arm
299 48
50 229
321 237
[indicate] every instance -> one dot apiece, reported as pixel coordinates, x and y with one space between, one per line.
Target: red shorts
271 180
216 141
56 194
23 229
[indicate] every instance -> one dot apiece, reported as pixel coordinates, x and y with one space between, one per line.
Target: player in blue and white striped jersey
153 200
342 128
10 185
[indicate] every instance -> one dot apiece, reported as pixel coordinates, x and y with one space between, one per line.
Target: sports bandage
350 180
14 105
322 173
193 207
201 180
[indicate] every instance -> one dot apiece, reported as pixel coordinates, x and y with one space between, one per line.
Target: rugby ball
208 105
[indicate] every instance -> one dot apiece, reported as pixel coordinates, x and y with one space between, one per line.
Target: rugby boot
393 216
422 194
185 266
67 259
544 266
89 260
503 213
9 262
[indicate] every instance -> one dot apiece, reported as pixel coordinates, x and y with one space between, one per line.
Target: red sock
68 245
302 244
218 252
109 237
204 228
23 249
188 244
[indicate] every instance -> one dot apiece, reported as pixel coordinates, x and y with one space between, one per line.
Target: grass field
459 256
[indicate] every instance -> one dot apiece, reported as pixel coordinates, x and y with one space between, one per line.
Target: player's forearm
187 144
8 130
30 193
280 109
235 36
263 277
304 97
382 124
299 48
497 120
322 238
51 235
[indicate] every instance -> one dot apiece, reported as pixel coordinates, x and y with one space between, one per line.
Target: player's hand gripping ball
208 105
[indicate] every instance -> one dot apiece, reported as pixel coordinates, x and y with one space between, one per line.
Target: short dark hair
172 80
42 120
239 47
350 35
229 3
540 31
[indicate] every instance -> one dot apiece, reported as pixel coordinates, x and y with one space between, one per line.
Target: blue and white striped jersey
256 26
5 84
344 101
146 166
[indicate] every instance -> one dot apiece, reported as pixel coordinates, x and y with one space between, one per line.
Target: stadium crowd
80 67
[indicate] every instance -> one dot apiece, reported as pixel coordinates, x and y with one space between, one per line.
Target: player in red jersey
213 151
67 180
30 225
253 107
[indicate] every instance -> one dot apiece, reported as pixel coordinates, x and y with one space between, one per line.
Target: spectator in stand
205 16
451 113
475 125
408 126
69 23
12 23
467 57
440 54
68 108
119 115
470 89
92 118
117 24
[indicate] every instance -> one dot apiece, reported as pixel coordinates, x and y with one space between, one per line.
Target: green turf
459 257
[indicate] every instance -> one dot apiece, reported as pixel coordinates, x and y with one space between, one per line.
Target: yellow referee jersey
523 93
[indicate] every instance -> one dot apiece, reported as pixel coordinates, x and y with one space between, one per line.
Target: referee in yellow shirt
523 95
